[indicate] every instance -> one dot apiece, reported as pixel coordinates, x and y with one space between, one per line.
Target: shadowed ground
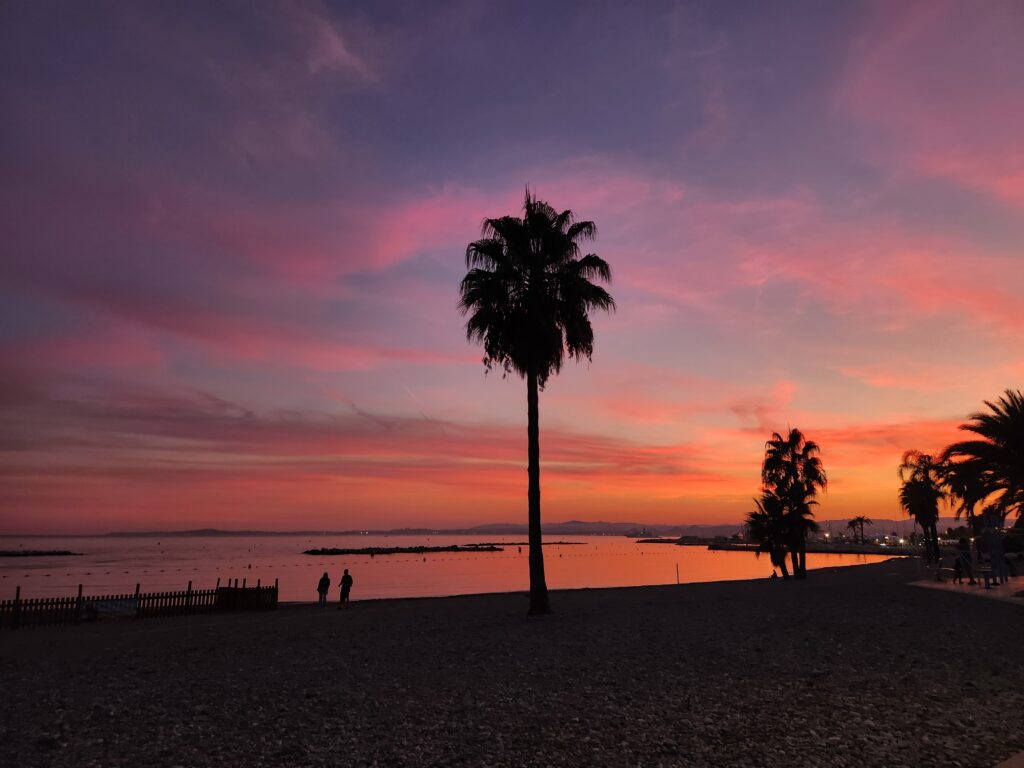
852 668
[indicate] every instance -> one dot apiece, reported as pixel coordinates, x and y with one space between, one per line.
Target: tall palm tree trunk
538 586
796 548
929 543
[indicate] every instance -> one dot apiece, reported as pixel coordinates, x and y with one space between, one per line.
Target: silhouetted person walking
346 587
963 557
322 589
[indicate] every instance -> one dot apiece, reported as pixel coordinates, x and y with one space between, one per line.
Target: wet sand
854 667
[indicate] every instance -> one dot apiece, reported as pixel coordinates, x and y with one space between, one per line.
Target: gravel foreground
852 668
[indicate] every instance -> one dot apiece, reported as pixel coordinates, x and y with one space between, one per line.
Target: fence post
78 605
17 607
275 593
138 602
218 583
188 599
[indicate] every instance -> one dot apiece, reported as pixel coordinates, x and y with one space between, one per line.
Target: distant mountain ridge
602 528
568 527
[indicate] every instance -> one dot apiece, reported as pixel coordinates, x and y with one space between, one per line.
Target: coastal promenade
835 548
854 667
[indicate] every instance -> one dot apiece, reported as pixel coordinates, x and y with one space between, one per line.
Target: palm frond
528 293
989 469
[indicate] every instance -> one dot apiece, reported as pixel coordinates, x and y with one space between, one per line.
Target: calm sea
114 565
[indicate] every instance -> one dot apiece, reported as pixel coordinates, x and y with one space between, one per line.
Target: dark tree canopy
528 291
986 473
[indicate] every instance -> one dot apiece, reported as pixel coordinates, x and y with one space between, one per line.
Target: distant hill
602 528
879 527
569 527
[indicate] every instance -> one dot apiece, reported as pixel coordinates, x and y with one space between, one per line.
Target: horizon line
479 528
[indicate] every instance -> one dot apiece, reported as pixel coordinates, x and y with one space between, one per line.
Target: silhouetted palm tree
858 523
920 494
989 470
766 526
528 293
852 525
792 469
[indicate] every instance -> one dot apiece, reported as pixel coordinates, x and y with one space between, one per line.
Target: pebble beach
854 667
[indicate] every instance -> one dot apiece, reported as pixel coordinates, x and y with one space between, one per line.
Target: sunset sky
232 235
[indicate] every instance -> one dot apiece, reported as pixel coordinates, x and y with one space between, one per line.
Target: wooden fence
138 605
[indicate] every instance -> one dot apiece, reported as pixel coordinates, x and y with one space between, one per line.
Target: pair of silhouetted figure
324 586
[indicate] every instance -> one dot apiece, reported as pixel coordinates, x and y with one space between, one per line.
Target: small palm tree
528 294
858 523
792 469
852 525
766 527
919 496
989 469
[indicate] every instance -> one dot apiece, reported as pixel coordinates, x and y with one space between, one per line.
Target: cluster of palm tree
528 294
791 476
981 478
857 524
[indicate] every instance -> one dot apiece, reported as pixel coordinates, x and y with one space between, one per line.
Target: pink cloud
328 50
315 244
938 86
220 340
111 350
883 443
